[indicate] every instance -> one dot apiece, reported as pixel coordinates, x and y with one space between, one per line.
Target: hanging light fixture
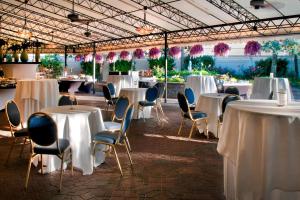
144 29
51 45
23 32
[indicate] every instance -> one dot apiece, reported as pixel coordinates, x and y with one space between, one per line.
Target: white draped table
34 95
78 124
260 143
211 104
201 84
135 95
123 81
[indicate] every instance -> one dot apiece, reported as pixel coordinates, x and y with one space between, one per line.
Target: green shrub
53 63
161 63
87 68
265 67
121 66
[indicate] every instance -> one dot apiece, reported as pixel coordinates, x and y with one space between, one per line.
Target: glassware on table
282 98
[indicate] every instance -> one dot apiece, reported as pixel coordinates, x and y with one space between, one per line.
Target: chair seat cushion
106 136
196 115
63 144
21 132
146 103
112 126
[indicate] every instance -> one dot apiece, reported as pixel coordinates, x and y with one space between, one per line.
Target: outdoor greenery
161 63
202 62
121 66
87 68
53 64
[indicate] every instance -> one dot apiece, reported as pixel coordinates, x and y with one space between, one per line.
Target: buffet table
260 144
34 95
78 124
201 84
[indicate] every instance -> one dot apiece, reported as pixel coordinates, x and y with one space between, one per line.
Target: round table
260 144
211 104
78 124
34 95
135 95
201 84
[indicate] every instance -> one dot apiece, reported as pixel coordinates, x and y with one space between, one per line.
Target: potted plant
15 48
221 49
37 44
24 56
175 52
2 43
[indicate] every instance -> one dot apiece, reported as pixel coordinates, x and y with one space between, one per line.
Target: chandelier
144 29
23 32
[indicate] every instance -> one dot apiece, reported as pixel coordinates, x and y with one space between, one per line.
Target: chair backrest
232 90
120 107
227 99
111 88
189 94
12 114
106 93
161 89
42 129
183 103
220 87
126 121
271 95
151 94
67 100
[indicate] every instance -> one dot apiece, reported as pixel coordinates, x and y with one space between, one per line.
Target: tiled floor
165 167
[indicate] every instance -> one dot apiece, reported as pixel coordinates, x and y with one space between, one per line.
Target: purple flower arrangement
111 57
99 58
125 55
138 53
88 57
175 52
196 50
79 58
154 53
221 49
252 48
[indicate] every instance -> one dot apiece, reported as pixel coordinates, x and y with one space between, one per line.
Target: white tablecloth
244 88
122 81
201 84
78 124
211 104
260 143
6 95
34 95
135 95
263 86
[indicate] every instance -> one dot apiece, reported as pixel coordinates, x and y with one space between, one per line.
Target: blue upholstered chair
111 101
232 90
67 100
16 126
189 93
112 89
111 140
150 100
43 133
188 115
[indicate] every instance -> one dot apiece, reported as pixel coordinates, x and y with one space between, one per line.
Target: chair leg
143 113
138 112
206 128
191 131
28 172
162 111
22 148
71 158
10 150
42 171
128 144
128 153
181 124
117 158
61 170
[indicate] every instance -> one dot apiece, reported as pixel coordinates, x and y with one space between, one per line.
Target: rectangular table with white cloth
260 144
33 95
78 124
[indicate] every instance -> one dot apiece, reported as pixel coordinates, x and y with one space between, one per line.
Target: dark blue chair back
161 89
232 90
106 93
220 87
189 93
151 94
66 100
183 104
42 129
227 99
111 88
121 106
126 121
13 113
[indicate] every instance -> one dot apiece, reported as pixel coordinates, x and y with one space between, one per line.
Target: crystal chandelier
23 32
144 29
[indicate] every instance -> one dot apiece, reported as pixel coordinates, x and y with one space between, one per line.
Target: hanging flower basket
125 55
252 48
79 58
175 52
196 50
99 58
139 53
111 57
88 58
154 53
221 49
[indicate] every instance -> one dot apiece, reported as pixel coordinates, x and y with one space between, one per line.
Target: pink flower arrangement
252 48
138 53
154 53
196 50
88 58
79 58
175 52
221 49
125 55
99 58
111 57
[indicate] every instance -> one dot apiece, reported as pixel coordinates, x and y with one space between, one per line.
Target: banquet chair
226 100
16 127
189 94
232 90
271 96
161 90
67 100
112 140
111 101
188 115
112 89
151 98
220 87
43 133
